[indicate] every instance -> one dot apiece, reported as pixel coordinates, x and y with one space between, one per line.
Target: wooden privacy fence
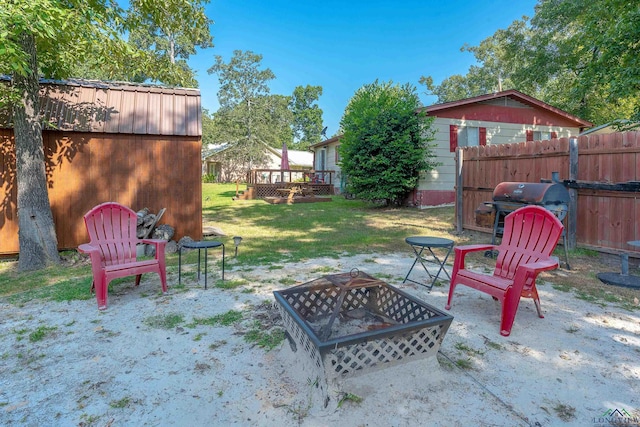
600 171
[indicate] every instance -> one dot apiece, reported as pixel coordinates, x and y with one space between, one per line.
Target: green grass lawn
279 233
272 234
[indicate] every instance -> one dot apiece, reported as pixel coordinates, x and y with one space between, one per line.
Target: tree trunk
37 234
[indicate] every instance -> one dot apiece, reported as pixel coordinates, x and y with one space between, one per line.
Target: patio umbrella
284 161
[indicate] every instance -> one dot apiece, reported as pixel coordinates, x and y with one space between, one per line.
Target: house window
466 136
337 154
541 136
472 136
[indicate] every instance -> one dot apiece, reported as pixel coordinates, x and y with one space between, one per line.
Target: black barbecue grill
509 196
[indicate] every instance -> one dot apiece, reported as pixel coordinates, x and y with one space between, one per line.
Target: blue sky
342 45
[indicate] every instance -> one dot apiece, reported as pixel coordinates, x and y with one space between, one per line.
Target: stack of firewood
148 228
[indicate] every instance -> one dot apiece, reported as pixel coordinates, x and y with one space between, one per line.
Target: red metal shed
135 144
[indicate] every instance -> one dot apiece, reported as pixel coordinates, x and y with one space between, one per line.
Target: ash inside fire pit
352 322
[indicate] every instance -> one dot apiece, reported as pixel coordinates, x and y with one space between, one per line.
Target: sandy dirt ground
579 366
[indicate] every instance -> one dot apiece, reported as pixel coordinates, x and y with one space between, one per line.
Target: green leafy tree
385 142
499 57
40 36
307 116
169 32
209 129
590 49
454 87
249 114
243 89
161 37
50 39
580 56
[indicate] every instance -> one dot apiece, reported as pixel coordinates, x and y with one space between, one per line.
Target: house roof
613 126
299 158
326 142
116 107
491 98
498 107
211 149
296 157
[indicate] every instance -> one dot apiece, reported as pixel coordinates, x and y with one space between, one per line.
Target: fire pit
352 323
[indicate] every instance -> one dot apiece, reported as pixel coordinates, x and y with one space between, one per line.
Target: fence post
573 194
459 203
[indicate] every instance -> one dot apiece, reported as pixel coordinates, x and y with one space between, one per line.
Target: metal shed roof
112 107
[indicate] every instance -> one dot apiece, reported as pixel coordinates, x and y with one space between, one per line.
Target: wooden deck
272 183
296 200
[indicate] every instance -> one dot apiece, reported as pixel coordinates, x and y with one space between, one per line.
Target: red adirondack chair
112 248
531 233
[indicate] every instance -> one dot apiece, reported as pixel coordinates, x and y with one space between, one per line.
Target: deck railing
275 176
263 183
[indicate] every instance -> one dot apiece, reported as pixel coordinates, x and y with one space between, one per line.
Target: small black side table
199 245
419 244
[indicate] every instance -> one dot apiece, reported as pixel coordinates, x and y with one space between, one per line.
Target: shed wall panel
127 112
113 117
180 116
90 106
155 113
85 169
167 110
8 213
141 116
99 115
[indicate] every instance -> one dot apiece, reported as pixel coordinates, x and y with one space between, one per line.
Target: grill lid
531 193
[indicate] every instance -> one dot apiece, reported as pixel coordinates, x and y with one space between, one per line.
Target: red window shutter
554 135
529 135
482 136
453 138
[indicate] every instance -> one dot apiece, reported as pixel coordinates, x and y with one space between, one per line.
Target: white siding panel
443 177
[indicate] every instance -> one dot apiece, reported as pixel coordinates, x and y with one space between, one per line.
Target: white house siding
443 177
330 164
229 171
507 117
437 186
